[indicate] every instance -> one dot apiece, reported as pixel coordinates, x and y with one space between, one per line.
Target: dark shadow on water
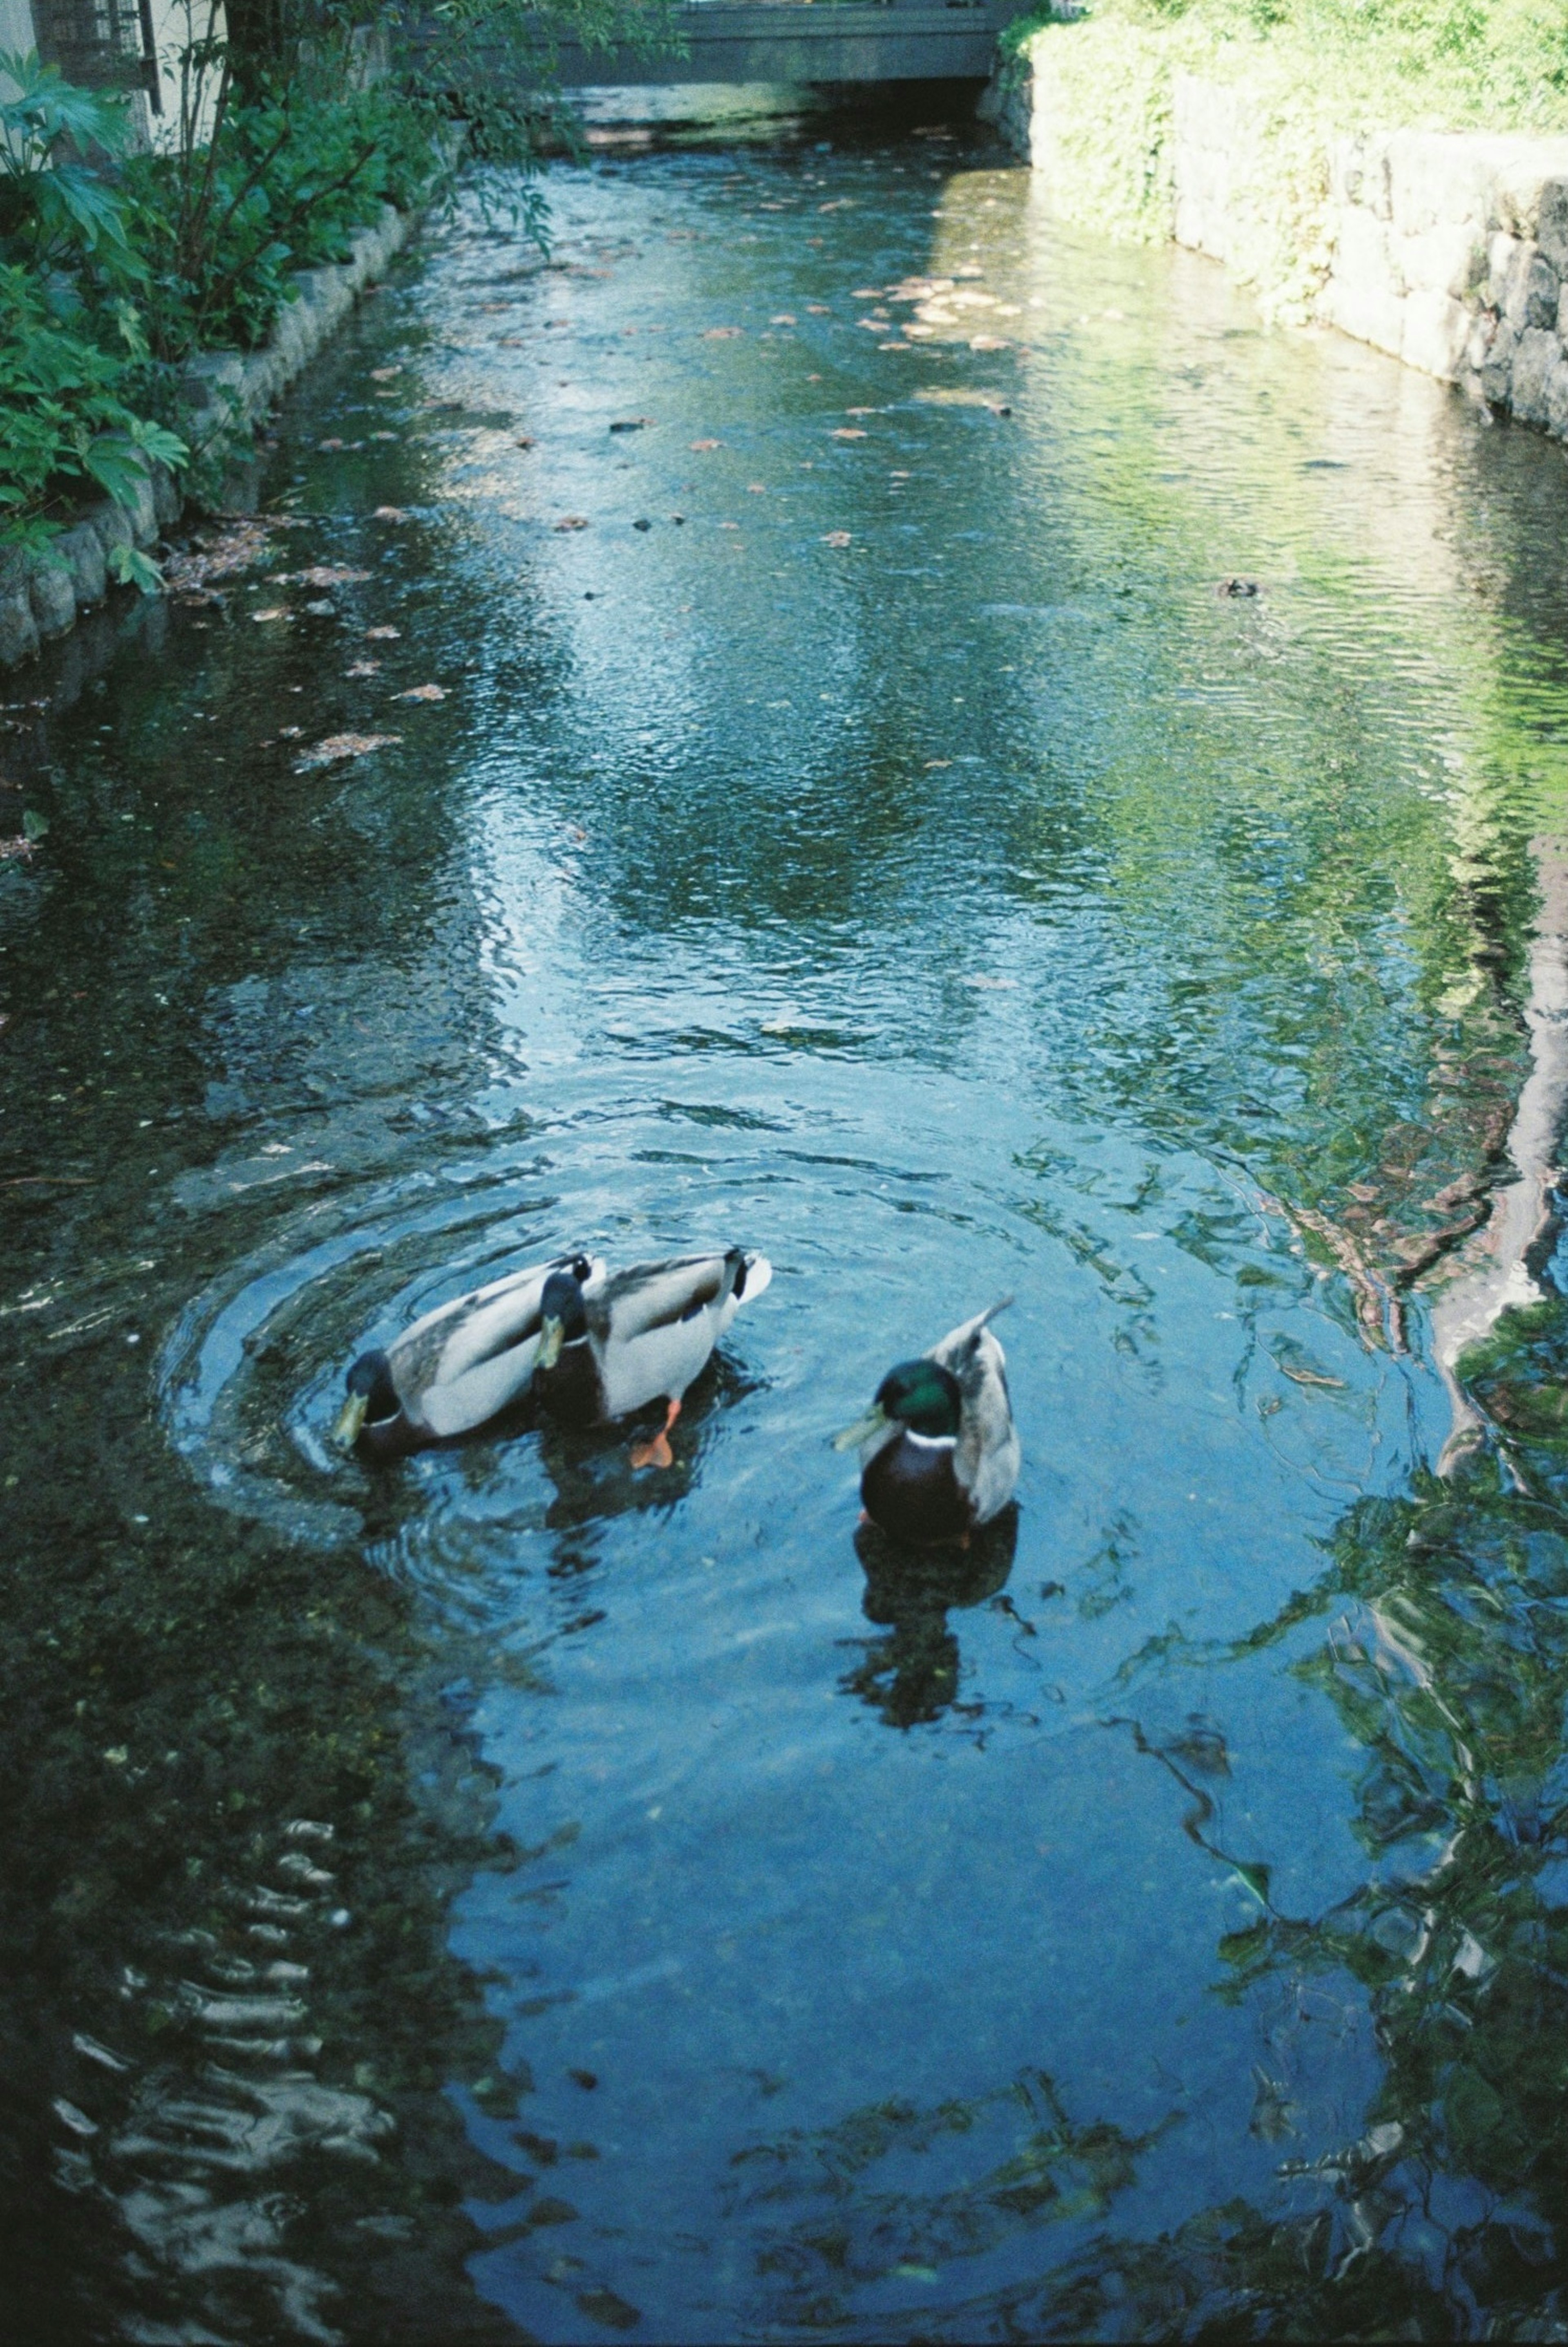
911 1675
238 1806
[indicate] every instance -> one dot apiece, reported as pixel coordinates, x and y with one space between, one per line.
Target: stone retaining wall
225 393
1447 249
1009 101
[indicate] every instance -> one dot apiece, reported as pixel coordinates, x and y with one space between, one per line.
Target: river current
1048 805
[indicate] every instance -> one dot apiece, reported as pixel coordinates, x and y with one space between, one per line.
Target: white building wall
179 26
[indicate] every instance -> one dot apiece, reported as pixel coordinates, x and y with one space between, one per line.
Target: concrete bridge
793 41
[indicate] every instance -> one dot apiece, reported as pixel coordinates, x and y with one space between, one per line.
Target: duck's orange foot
658 1452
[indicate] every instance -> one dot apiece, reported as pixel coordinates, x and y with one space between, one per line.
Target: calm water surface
510 1896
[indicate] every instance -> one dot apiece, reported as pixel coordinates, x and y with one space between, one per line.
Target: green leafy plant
68 426
72 344
280 185
296 121
129 567
57 200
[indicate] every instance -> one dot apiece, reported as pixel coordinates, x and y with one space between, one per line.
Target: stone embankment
1447 249
1450 251
225 394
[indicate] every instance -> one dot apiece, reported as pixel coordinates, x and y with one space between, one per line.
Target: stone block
266 371
309 333
1048 111
289 327
314 288
240 489
112 524
18 629
1539 351
141 511
1551 230
52 594
265 375
1449 257
1437 178
1483 325
1544 294
1202 221
1365 295
1520 282
214 380
1204 114
336 304
1502 266
1358 173
1437 330
1496 373
1522 167
1533 293
1557 400
166 501
81 551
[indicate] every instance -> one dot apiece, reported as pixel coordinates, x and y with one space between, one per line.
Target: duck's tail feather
962 1343
756 1274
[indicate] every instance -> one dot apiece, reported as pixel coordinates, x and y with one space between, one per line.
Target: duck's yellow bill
552 1337
874 1421
345 1433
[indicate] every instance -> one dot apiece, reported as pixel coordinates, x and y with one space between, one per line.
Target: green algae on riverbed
509 1895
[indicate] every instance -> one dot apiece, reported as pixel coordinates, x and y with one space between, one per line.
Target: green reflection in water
1447 1661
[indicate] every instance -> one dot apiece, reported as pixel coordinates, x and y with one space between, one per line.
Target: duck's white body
661 1322
467 1360
462 1364
648 1332
987 1454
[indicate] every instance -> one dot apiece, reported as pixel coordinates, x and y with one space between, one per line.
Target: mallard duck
457 1367
640 1336
940 1452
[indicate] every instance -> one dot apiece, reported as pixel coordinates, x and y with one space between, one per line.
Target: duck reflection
911 1675
596 1472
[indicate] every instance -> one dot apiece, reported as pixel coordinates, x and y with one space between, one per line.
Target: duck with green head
939 1450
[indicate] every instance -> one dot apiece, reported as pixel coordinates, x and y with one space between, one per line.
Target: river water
507 1895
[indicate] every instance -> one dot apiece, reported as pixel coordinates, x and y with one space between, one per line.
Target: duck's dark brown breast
385 1439
570 1391
911 1490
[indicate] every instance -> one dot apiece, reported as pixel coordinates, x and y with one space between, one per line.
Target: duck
640 1336
457 1368
940 1454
